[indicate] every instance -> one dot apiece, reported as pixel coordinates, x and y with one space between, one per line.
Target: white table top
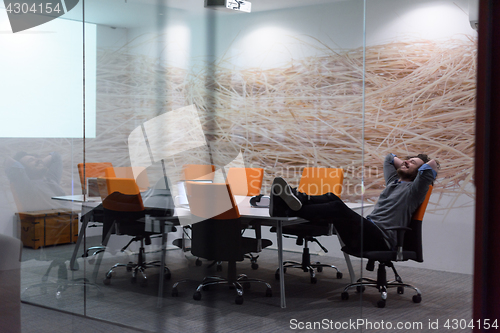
243 203
77 198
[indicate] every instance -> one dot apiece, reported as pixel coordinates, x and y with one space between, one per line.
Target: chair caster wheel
255 266
360 289
319 269
198 262
168 276
381 303
344 296
269 292
197 296
314 280
339 275
401 290
106 281
239 300
175 292
417 298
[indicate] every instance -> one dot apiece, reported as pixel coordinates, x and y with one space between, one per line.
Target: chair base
253 260
96 250
138 267
382 285
242 282
135 269
307 266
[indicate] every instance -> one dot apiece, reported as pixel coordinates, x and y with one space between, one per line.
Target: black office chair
218 236
305 233
124 214
409 247
314 181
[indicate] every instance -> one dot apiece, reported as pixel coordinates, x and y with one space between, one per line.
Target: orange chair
409 247
139 174
318 181
217 236
198 172
202 172
314 181
245 181
123 208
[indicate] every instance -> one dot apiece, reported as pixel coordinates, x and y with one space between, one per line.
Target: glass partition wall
334 84
41 144
190 85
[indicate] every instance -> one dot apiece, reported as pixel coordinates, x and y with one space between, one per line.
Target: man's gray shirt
399 200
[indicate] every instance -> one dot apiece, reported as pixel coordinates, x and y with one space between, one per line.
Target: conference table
247 212
250 213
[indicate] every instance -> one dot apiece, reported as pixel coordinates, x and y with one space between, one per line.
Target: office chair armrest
400 240
400 233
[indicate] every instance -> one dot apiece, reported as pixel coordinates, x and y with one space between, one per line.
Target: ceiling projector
229 5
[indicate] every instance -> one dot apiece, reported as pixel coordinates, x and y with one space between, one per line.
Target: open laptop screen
92 188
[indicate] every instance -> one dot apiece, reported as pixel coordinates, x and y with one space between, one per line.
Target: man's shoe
280 189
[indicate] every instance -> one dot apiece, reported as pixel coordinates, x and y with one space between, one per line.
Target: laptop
93 189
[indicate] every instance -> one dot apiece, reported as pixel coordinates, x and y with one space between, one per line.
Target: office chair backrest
245 181
198 172
413 237
138 173
92 170
217 233
211 201
318 181
419 213
120 194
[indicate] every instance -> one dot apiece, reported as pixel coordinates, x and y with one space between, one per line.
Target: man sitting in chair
407 182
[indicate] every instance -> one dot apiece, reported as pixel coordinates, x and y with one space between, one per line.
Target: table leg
352 275
72 263
279 236
162 264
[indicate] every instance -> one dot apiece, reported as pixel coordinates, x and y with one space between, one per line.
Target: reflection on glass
283 90
34 180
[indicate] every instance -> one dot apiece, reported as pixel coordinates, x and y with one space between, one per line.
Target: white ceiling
137 13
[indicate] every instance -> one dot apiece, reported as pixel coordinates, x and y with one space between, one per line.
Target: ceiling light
229 5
